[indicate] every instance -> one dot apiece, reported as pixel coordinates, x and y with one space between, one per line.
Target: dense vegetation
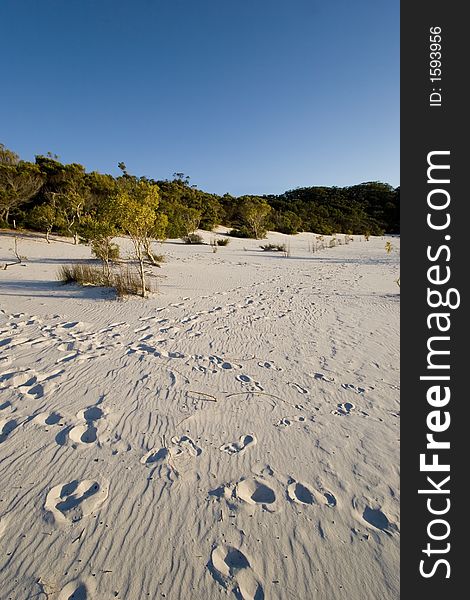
49 196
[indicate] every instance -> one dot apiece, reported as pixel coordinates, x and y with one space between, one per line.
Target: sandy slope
234 436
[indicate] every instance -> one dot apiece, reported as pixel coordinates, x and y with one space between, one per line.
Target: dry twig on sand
19 258
208 397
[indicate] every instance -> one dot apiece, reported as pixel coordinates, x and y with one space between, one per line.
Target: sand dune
236 435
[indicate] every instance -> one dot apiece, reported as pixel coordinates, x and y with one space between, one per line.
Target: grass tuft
274 248
126 281
193 238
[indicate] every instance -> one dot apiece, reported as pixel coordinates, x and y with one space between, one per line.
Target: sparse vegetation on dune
126 281
274 248
53 197
193 238
82 274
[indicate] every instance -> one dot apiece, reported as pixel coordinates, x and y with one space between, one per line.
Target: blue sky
246 96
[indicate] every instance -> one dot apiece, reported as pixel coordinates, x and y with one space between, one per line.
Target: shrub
105 250
274 248
81 274
288 222
223 242
125 281
242 232
193 238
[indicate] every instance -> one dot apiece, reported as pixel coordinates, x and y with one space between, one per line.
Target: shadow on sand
55 289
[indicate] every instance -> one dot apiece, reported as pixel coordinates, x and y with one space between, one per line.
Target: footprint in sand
40 385
17 378
189 319
353 388
6 408
344 410
330 500
75 590
228 365
184 445
68 357
152 317
203 369
67 346
69 325
73 501
288 421
141 329
45 419
169 330
154 457
143 349
6 427
322 377
6 341
112 326
255 492
252 385
83 434
232 570
266 364
300 493
300 389
239 447
216 360
118 445
10 343
87 432
378 519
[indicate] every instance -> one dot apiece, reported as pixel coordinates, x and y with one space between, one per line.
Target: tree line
49 196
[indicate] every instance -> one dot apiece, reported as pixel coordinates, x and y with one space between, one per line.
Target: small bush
274 248
223 242
193 238
125 281
81 274
243 232
104 249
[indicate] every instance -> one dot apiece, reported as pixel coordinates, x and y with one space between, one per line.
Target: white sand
234 436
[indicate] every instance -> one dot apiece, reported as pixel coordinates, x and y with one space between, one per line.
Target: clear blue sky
245 96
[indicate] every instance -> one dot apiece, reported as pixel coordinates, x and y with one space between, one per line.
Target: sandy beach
236 435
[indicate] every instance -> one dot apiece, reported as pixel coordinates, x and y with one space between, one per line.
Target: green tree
103 247
8 157
73 201
44 217
158 232
136 207
190 219
19 181
287 222
254 213
68 186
